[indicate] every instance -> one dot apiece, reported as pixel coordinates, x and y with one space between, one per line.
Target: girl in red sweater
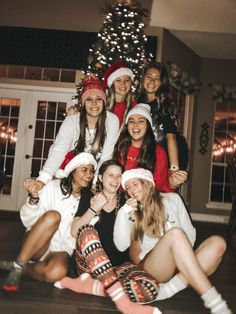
136 148
117 82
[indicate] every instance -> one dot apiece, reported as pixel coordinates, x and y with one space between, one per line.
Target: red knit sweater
160 173
119 109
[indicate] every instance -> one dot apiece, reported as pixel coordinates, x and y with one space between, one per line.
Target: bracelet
174 167
34 200
94 211
33 197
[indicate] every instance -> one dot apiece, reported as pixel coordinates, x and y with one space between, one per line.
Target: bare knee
219 245
51 219
176 235
56 271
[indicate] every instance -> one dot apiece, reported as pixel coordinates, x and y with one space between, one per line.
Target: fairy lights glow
122 36
8 134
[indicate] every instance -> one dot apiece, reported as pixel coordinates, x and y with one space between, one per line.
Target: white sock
213 301
170 288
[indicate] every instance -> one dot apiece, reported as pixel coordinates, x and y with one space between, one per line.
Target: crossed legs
174 251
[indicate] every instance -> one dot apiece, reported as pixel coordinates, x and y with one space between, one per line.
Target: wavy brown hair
100 135
150 218
163 95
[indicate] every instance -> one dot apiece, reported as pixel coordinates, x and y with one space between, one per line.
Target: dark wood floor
38 297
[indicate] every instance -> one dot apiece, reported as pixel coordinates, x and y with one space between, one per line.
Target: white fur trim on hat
138 173
78 160
117 73
143 110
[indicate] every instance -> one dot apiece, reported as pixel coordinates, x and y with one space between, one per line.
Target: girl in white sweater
93 130
160 235
48 216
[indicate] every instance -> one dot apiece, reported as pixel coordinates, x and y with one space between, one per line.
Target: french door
30 117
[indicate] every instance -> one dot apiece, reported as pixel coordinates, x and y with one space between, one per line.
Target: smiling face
111 179
137 128
134 188
82 176
151 81
122 86
93 105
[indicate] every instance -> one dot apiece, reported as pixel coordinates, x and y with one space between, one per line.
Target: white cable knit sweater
68 135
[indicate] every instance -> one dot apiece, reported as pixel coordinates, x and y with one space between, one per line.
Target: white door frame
29 96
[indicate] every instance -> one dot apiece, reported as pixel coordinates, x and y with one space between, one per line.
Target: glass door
29 121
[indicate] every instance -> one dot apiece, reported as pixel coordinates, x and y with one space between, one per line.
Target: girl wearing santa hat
47 216
159 232
93 130
117 81
97 256
136 147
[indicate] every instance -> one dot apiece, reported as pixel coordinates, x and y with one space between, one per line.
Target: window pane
216 193
224 149
9 111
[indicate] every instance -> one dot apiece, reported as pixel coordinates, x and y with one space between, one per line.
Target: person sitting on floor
48 215
160 235
103 268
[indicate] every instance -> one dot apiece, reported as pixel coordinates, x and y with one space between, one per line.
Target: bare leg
35 244
54 267
38 239
174 251
209 255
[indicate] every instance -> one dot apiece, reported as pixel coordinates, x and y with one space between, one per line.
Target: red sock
124 305
82 284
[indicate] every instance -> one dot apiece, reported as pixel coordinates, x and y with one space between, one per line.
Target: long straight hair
150 218
100 132
111 100
147 155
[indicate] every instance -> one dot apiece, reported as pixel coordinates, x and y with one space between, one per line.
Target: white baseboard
210 218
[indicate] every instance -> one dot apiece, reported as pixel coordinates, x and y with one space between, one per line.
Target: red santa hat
116 70
92 86
72 161
138 173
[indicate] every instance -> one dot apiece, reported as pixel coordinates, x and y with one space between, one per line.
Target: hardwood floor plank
40 297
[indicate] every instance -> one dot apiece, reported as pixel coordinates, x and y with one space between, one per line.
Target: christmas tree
121 37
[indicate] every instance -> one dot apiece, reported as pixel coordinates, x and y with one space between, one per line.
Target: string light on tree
122 36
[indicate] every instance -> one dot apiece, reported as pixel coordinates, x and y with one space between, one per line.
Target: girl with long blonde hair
159 232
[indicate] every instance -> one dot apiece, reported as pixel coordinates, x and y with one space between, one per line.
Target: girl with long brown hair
93 130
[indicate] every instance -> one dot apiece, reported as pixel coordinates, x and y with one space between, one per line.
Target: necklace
74 192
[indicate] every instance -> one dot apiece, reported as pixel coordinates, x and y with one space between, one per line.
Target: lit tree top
121 37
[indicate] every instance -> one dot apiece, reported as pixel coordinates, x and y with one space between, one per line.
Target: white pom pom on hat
138 173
